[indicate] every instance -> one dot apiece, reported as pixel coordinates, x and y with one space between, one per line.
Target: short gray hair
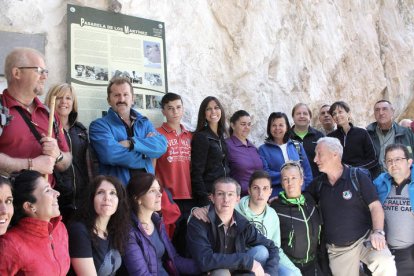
332 144
18 57
226 180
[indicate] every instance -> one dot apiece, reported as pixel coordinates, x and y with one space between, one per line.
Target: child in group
173 169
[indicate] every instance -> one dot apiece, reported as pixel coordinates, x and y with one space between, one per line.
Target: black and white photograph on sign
136 77
152 101
153 79
80 70
152 54
90 72
101 74
139 101
120 73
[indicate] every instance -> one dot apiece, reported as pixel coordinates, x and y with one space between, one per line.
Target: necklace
148 227
100 232
27 106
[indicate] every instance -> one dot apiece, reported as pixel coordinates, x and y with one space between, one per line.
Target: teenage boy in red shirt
173 168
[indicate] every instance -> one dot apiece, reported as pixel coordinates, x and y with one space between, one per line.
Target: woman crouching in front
149 251
97 239
37 242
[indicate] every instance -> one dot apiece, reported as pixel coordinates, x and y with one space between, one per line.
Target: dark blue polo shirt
346 217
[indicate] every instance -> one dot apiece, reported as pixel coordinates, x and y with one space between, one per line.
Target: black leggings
404 260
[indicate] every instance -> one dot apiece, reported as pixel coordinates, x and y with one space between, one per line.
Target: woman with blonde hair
71 183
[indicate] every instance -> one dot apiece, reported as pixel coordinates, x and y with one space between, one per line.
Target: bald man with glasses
24 144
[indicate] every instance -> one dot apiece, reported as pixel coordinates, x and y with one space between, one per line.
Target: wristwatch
381 232
59 158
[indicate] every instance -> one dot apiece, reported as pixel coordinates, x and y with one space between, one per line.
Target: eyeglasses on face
398 160
39 70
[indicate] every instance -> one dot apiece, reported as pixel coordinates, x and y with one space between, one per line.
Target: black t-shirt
106 260
346 217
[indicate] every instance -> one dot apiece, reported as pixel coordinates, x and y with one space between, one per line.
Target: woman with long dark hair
149 250
97 239
243 156
208 150
279 148
37 242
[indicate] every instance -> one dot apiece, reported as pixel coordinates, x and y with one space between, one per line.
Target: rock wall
261 56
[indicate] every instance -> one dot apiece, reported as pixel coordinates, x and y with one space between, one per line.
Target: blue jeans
259 253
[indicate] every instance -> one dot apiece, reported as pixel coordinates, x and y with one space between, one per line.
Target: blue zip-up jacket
272 158
116 160
383 185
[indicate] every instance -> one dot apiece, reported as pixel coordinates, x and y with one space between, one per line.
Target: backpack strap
34 131
356 184
5 117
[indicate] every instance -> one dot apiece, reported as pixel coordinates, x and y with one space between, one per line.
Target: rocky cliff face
261 56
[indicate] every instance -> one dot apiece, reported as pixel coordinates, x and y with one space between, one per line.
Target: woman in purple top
149 251
243 156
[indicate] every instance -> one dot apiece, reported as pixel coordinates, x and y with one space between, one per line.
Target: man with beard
125 141
24 144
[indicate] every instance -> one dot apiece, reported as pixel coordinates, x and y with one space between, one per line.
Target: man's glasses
397 160
39 70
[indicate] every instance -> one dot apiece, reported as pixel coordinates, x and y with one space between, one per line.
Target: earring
205 123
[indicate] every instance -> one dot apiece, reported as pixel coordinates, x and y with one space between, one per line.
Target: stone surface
261 56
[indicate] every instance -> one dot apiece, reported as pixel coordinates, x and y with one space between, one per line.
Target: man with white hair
352 214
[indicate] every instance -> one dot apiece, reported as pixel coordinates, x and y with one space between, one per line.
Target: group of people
98 211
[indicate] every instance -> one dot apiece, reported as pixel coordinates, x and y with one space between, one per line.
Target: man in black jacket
302 131
384 131
219 247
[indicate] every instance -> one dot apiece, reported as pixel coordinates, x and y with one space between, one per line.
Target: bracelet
30 164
